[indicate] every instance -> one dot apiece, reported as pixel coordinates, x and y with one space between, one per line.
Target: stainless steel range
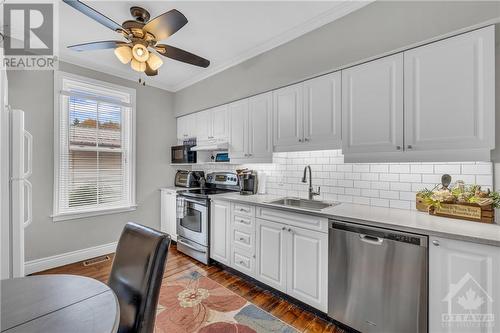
193 214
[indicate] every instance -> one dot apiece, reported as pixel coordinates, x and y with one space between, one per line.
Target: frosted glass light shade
138 66
154 61
124 54
140 53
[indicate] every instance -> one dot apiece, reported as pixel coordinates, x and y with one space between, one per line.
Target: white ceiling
226 33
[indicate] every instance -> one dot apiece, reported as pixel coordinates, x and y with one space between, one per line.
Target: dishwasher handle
371 239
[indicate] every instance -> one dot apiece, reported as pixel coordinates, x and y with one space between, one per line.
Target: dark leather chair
136 276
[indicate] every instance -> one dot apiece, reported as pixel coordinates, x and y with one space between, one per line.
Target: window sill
74 216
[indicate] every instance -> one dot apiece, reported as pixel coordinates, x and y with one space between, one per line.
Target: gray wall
32 91
375 29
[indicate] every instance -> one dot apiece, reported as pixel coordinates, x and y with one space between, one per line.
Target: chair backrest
137 274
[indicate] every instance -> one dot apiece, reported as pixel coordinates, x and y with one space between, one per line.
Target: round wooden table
58 303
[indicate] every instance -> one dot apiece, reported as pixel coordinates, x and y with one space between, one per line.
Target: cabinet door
463 282
260 140
220 232
271 255
449 93
203 122
220 123
287 111
168 213
322 111
372 106
238 113
307 267
182 128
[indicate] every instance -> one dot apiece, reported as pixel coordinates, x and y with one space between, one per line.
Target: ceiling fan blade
166 24
93 14
92 46
149 71
181 55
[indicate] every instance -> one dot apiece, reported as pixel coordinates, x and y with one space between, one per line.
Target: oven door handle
190 246
201 202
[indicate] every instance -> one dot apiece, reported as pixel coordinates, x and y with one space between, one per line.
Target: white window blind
95 162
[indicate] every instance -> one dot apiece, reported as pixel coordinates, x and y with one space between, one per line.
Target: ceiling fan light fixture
140 53
124 54
154 61
138 66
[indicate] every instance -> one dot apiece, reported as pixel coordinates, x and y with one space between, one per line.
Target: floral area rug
192 302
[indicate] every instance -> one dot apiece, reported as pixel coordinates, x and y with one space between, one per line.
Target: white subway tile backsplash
447 168
377 184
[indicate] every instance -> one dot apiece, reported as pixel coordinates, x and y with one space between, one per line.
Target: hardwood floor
177 262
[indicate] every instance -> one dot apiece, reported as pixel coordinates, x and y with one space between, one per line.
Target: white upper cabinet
449 93
220 123
203 125
372 106
445 112
287 110
186 127
307 115
238 142
260 139
322 111
251 129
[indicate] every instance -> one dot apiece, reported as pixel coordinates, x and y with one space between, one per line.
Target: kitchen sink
303 203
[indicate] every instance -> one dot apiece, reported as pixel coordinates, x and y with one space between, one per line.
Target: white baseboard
42 264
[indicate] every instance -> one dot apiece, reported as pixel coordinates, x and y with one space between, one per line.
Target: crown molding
342 9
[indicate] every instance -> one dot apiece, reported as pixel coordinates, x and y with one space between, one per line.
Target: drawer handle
435 242
244 221
242 239
243 263
243 210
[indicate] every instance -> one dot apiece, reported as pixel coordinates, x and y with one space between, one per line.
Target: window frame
59 78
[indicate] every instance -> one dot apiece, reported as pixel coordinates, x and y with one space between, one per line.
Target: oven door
194 224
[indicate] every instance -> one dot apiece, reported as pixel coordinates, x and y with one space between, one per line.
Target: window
94 147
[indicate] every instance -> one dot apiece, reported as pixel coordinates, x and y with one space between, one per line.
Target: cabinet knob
290 230
410 147
242 239
306 139
283 228
398 147
300 140
435 242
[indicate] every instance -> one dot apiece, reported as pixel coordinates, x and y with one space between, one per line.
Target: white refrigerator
16 191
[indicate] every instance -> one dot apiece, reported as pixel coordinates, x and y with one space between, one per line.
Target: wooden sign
471 212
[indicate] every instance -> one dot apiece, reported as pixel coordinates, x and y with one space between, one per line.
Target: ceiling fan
142 35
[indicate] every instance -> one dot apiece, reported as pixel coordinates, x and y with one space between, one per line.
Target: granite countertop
398 219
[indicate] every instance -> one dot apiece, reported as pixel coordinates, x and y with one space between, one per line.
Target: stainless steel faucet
311 189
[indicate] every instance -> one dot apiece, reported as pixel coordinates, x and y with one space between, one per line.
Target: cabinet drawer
244 223
305 221
243 209
244 241
243 262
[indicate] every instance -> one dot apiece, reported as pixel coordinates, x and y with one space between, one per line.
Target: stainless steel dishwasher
377 278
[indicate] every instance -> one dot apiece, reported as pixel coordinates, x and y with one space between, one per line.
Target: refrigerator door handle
29 201
29 138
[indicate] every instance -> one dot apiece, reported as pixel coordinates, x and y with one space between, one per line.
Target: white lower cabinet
307 266
271 255
168 213
294 261
464 287
220 233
